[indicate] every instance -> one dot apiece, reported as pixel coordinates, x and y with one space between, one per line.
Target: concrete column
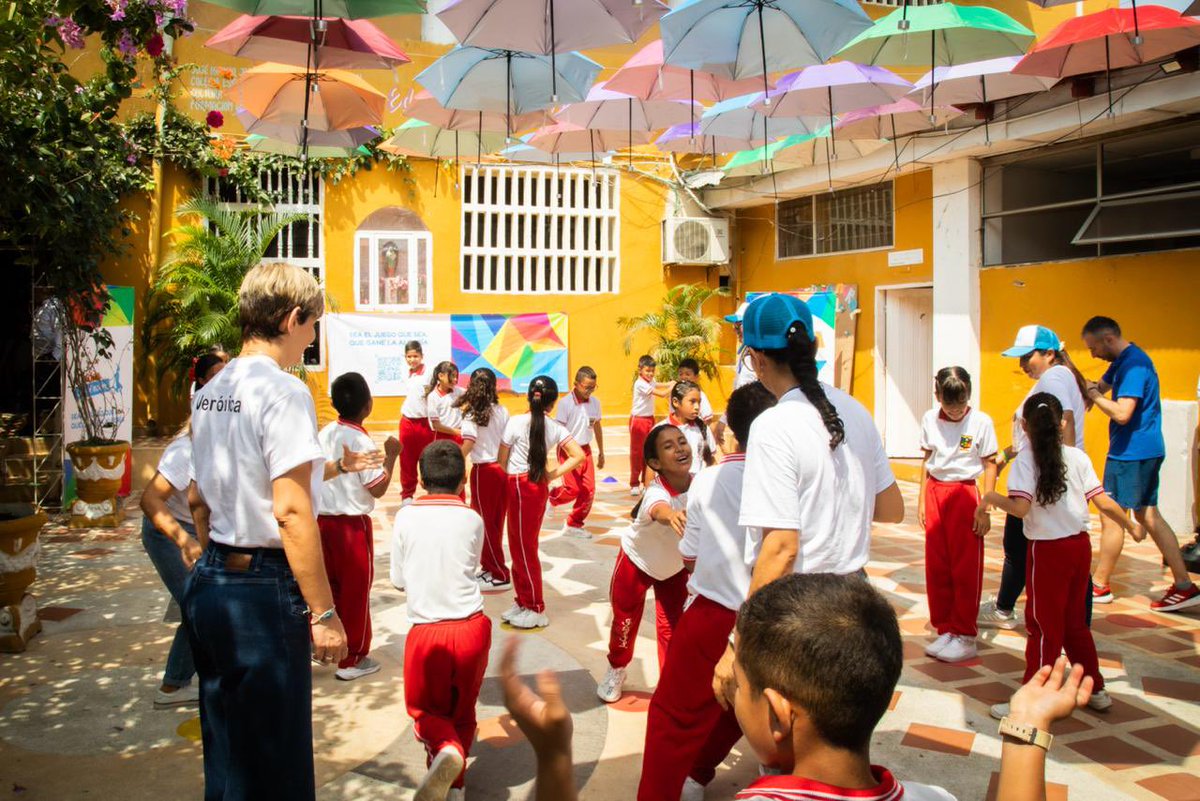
956 261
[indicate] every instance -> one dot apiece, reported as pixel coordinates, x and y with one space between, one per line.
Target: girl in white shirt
649 556
685 415
1049 489
484 420
415 432
441 400
524 453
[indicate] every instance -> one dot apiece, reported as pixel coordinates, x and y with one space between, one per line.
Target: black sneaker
489 582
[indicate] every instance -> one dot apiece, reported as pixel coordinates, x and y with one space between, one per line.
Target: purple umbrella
679 139
903 117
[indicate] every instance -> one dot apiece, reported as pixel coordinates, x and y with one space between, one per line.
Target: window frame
374 236
814 198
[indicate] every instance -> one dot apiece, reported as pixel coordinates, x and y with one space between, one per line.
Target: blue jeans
167 560
250 638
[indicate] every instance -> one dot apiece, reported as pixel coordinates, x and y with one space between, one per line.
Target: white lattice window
540 230
859 218
302 242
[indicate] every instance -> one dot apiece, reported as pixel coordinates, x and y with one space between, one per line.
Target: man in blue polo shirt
1135 455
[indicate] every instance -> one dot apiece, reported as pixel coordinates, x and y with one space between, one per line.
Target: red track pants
1056 587
579 486
489 497
526 509
348 544
687 731
639 427
443 669
415 435
953 556
628 593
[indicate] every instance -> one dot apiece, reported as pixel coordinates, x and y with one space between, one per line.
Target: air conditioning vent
695 240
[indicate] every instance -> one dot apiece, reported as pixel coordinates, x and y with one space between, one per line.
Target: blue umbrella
740 118
756 37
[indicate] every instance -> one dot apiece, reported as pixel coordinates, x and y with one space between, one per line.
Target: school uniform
956 451
641 420
489 495
1057 565
798 788
347 535
527 507
439 539
706 409
415 431
442 407
578 417
698 436
649 558
252 424
687 731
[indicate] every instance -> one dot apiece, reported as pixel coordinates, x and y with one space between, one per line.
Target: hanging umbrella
648 76
342 44
740 118
979 82
263 144
901 118
424 106
281 94
529 25
792 152
938 35
566 137
348 9
294 134
533 155
687 138
605 109
417 138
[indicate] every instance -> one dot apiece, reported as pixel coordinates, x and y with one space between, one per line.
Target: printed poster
373 346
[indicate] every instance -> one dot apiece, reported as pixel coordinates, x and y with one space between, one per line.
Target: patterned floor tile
937 738
1113 753
1174 786
1170 688
1171 738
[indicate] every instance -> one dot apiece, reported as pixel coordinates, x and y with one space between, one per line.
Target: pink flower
215 119
154 45
68 30
126 46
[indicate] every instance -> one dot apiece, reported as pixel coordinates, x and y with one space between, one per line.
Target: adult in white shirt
259 605
816 472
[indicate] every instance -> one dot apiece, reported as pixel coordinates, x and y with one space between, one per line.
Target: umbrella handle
553 63
762 46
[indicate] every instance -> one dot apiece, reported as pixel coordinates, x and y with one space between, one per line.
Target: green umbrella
262 144
348 9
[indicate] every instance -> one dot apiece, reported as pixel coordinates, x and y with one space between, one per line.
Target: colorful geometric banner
517 348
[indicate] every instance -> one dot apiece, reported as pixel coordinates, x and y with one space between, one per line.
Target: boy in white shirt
689 370
438 540
344 517
579 413
415 431
641 418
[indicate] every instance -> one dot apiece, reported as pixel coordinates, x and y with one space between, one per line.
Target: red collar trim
419 371
447 392
680 424
733 457
440 500
943 416
798 788
342 421
667 486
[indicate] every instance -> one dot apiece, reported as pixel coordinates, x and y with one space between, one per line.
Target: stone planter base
18 625
98 472
19 552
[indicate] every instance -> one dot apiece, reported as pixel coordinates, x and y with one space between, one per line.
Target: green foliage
679 330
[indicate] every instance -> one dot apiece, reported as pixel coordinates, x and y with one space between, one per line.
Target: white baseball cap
737 316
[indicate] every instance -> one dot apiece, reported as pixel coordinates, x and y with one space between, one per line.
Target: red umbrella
340 43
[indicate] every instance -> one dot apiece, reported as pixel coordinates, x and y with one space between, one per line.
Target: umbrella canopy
1109 40
792 152
648 76
829 89
263 144
566 137
294 134
349 9
739 118
938 35
279 93
605 109
424 106
687 138
533 155
979 82
531 25
506 81
417 138
345 44
903 117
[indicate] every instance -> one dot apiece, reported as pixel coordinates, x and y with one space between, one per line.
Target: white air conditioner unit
695 240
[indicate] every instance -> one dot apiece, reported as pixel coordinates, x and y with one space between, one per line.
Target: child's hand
921 511
1137 532
1051 694
983 522
542 716
600 461
678 521
392 448
356 461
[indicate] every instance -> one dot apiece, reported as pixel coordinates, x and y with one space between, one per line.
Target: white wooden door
907 368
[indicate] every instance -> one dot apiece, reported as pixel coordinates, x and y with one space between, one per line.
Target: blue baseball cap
769 319
1031 338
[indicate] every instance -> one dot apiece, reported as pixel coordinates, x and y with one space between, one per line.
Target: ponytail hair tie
192 369
537 394
1043 406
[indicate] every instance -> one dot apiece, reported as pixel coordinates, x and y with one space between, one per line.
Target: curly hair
480 397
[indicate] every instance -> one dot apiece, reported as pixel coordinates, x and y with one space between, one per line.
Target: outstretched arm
546 723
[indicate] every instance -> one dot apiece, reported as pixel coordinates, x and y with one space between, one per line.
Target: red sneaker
1101 594
1177 599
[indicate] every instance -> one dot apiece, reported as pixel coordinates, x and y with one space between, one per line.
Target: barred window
860 218
540 230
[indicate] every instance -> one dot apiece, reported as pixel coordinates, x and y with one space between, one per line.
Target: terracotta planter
98 472
19 551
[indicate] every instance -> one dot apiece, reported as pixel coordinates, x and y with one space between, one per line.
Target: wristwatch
341 468
1030 735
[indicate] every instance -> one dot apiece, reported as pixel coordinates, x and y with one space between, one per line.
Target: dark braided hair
1043 423
480 397
801 358
542 394
678 393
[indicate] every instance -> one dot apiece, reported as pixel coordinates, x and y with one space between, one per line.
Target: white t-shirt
414 398
713 537
516 437
1067 516
578 418
706 410
1060 382
175 466
251 424
957 449
347 494
643 398
436 541
649 544
443 408
486 439
793 481
697 436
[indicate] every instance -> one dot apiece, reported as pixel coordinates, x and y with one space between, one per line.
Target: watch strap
1026 734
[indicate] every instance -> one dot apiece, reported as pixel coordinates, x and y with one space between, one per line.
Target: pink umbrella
979 82
331 100
424 106
903 117
564 137
647 76
606 110
339 43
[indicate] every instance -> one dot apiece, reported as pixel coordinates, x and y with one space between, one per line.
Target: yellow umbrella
330 100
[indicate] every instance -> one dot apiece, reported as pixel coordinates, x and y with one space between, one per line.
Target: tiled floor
76 718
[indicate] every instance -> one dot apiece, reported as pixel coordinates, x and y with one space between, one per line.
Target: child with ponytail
685 415
1049 489
524 453
484 420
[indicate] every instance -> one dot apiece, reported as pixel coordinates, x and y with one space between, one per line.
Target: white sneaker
365 667
635 491
578 533
1100 701
406 502
457 794
991 615
692 790
934 648
184 696
442 772
487 582
609 689
510 613
959 649
999 711
528 619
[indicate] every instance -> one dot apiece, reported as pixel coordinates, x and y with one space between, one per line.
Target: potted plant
19 551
